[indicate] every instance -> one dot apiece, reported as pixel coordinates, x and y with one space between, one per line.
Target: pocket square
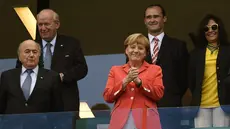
66 55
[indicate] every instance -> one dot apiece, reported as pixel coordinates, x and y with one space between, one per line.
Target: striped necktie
155 50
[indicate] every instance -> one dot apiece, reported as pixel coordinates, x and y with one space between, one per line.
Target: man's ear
165 19
57 24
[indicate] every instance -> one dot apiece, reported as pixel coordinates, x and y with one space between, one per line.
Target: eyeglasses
213 27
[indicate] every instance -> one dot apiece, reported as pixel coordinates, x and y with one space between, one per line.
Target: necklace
212 48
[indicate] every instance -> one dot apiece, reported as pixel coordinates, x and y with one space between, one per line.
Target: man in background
169 53
62 54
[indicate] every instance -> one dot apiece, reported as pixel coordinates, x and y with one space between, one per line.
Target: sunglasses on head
213 27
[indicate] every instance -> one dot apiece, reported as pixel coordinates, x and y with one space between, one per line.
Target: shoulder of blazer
196 54
174 42
227 46
11 73
67 39
154 68
46 71
118 67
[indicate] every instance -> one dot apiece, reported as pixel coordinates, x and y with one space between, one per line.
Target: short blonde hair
137 38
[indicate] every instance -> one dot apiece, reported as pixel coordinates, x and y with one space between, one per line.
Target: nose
152 19
136 49
31 54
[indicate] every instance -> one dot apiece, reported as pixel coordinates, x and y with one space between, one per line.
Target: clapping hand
132 75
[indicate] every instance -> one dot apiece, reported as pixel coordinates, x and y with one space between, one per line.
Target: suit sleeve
113 88
153 87
57 103
80 68
3 94
183 69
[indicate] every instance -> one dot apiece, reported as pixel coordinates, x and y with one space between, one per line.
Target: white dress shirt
33 76
53 42
159 37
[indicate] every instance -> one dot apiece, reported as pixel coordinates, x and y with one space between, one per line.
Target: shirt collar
159 37
35 70
51 42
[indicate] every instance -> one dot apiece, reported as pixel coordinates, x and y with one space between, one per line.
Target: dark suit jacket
46 95
69 59
226 95
173 59
196 74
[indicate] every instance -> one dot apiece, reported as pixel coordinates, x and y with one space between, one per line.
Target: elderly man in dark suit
30 89
62 54
169 53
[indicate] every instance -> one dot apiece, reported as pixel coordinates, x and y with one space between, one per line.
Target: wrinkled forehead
45 16
29 46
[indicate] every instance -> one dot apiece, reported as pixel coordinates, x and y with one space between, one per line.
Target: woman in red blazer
135 88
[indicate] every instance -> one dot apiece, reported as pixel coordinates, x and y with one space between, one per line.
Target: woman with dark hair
208 67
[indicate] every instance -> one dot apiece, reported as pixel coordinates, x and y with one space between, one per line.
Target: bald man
30 89
62 54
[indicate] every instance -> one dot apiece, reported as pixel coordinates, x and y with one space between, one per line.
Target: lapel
41 62
162 50
200 65
40 77
163 47
221 55
126 68
17 79
57 50
143 67
17 83
148 58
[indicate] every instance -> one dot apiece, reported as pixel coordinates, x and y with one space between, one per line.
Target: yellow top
209 96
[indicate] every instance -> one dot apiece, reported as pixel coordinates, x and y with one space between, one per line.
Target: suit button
217 67
132 89
131 98
218 81
26 104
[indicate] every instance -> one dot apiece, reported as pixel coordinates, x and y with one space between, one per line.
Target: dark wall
102 25
12 30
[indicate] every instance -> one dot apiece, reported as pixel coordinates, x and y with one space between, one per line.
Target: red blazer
142 101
